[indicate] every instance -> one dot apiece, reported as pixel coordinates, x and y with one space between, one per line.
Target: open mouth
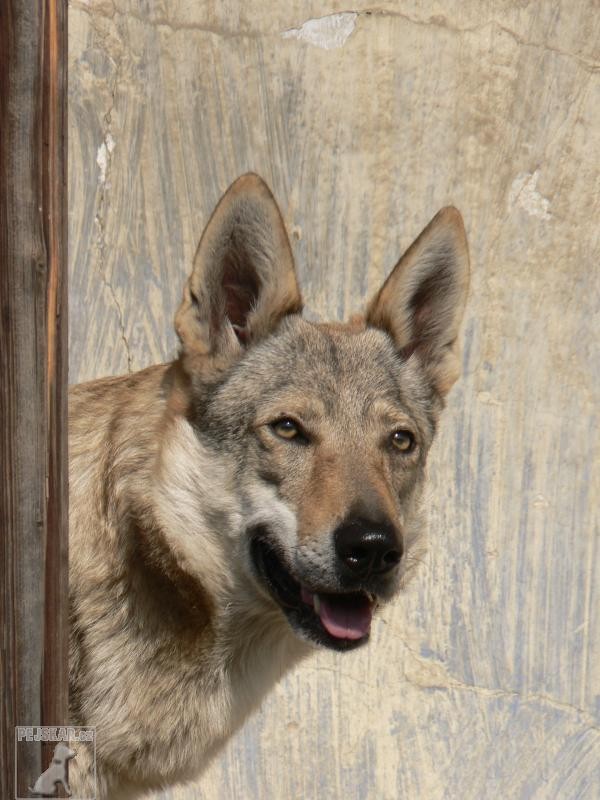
341 621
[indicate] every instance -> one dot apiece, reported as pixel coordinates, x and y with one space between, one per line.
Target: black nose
367 548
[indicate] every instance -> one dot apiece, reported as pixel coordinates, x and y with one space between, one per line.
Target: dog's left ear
243 280
421 303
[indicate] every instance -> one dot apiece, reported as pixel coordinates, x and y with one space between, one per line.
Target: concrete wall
483 680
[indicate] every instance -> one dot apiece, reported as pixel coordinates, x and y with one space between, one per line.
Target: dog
47 784
257 497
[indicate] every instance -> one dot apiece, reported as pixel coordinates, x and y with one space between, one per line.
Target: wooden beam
33 377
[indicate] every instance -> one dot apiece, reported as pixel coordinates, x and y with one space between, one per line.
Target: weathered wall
483 681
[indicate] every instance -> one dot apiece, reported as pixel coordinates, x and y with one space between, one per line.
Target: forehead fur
341 368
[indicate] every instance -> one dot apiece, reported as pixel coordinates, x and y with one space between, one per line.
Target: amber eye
286 428
403 441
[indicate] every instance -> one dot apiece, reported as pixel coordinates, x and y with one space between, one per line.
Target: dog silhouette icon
47 784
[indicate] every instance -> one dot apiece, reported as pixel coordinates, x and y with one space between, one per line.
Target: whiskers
414 559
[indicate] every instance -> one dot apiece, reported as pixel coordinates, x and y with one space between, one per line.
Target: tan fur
174 640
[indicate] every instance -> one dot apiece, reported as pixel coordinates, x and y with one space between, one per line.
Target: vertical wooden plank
54 170
33 369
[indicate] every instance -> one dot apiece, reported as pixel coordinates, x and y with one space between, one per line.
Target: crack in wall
436 21
165 22
441 680
512 694
439 21
447 683
120 318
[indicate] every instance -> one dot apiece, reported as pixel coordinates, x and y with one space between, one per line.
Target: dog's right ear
243 281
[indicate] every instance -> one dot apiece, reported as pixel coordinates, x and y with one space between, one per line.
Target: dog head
63 753
329 425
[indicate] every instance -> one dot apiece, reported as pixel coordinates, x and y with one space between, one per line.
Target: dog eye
286 428
403 441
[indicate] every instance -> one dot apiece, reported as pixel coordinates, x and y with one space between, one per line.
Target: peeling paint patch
524 193
103 156
488 399
328 32
541 501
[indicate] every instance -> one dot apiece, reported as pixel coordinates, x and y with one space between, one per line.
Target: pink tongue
345 621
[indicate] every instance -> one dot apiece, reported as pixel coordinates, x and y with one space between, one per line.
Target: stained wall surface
483 679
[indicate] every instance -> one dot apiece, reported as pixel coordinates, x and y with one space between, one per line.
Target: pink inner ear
420 321
241 285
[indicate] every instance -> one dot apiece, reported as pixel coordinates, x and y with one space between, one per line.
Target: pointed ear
421 303
243 280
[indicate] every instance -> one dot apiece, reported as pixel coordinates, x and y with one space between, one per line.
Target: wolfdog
259 496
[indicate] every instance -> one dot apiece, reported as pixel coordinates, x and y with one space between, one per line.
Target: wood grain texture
33 365
483 680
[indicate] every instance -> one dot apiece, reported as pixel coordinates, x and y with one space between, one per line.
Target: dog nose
367 548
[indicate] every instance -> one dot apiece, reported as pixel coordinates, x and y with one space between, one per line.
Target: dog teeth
317 604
